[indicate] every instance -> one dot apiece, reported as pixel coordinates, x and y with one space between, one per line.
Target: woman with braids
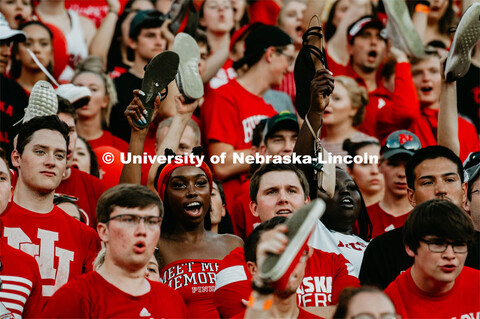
189 254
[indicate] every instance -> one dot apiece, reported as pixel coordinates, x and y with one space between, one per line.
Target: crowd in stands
156 156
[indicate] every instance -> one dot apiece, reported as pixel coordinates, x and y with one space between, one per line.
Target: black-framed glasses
368 315
134 220
440 246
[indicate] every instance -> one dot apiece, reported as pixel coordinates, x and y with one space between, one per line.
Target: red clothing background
107 139
91 296
87 188
381 220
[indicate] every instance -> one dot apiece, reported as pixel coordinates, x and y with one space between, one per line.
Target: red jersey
194 279
91 296
107 139
87 189
229 115
462 301
234 283
326 274
383 221
21 293
62 246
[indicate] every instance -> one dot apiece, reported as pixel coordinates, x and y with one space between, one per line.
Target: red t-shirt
229 115
62 246
87 188
194 279
21 293
462 301
107 139
383 221
233 284
91 296
326 274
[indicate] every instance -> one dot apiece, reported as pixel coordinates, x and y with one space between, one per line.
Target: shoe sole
401 25
188 78
160 71
42 101
300 225
458 60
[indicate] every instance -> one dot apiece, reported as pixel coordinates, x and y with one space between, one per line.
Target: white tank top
76 46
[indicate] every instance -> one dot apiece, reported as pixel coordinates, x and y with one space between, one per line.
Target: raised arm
172 139
103 37
447 132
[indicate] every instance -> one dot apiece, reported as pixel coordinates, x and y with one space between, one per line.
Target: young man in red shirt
230 113
21 293
437 236
129 218
63 247
392 211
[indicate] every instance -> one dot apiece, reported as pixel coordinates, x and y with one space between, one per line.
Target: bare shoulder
228 240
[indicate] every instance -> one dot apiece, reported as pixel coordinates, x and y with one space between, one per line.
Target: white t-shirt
351 247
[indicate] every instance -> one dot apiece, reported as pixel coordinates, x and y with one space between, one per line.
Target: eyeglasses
368 315
290 58
134 220
439 246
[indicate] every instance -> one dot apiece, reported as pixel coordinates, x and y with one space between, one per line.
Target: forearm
228 167
171 141
214 63
103 38
132 173
448 118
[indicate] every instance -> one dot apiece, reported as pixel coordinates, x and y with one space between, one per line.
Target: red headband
168 170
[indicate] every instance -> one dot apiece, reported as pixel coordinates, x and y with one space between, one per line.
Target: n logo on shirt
44 254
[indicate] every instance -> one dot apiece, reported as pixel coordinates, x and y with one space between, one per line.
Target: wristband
259 304
422 8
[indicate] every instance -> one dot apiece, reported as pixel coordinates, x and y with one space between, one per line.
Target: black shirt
125 84
13 101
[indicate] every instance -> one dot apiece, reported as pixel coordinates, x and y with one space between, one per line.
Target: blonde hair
358 97
94 65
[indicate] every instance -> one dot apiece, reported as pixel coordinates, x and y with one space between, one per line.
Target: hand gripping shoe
277 269
466 36
188 78
159 72
310 58
42 101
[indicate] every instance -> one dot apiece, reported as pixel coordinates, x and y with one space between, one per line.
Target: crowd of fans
93 92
